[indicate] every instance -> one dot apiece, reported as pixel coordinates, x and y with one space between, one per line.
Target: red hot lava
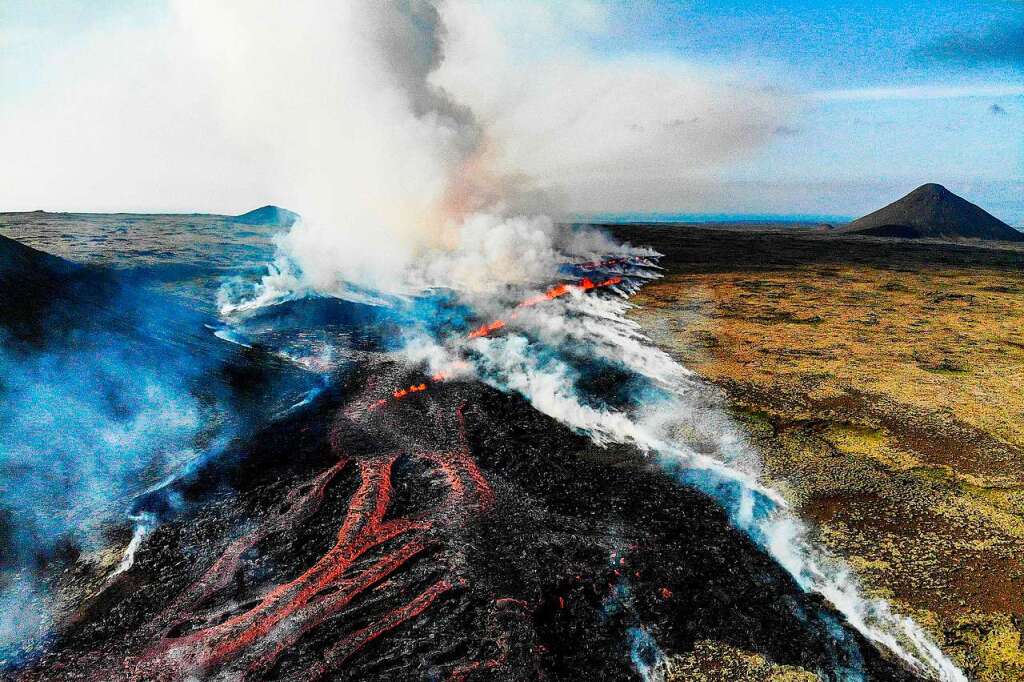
489 328
554 292
369 547
417 388
562 289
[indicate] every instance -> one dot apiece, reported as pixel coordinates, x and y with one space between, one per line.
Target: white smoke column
713 456
397 187
395 181
143 524
346 107
381 164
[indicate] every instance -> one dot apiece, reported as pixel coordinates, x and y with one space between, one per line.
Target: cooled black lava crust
581 545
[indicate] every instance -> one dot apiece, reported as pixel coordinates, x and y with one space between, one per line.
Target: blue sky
890 94
898 93
830 44
33 31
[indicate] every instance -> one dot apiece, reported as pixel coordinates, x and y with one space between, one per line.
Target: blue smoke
645 653
114 397
85 427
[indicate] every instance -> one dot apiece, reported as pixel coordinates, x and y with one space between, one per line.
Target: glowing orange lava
363 556
487 329
560 290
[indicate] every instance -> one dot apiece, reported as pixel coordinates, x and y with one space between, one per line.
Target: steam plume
450 218
674 419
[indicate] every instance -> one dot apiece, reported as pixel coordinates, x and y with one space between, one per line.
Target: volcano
402 524
455 535
933 212
267 215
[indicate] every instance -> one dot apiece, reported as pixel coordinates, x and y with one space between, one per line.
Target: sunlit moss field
886 394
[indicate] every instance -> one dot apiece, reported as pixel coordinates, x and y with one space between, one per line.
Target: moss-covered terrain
883 386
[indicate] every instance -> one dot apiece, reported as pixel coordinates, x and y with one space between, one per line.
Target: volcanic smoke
403 192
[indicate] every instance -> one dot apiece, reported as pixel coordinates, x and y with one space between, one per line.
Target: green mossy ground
887 407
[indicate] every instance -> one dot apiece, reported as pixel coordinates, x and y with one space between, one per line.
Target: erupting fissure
557 291
616 261
484 330
400 393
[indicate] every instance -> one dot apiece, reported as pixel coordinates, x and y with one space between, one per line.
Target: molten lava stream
557 291
489 328
252 641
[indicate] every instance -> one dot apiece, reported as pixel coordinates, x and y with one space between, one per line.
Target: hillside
267 215
932 211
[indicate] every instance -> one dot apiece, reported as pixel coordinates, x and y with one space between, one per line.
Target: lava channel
363 556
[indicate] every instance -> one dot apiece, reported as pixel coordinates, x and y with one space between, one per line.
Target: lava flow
251 641
368 549
557 291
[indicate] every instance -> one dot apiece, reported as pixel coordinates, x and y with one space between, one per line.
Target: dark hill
18 260
35 288
932 211
267 215
524 563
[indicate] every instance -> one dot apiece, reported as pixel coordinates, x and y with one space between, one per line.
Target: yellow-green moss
894 421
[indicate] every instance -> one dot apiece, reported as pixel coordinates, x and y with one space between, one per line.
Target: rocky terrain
454 534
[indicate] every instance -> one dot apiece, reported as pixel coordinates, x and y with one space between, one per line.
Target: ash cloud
447 170
385 125
598 127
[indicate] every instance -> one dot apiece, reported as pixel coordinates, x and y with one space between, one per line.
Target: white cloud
223 107
917 92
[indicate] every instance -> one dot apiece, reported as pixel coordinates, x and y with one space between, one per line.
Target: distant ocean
709 218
